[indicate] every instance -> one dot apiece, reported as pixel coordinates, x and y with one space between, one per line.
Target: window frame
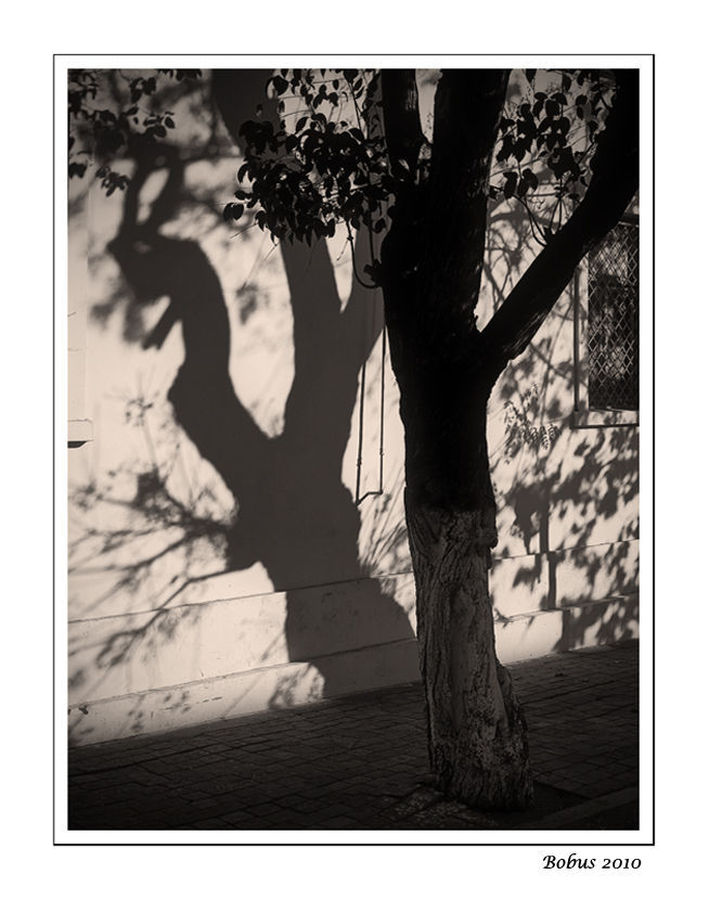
584 415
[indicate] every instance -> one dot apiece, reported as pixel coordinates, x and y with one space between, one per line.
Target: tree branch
613 184
466 119
433 254
402 125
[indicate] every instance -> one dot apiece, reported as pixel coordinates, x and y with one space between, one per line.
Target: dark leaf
519 151
279 84
510 184
529 178
232 212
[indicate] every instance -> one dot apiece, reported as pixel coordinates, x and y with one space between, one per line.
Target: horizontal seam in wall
533 613
253 671
374 577
307 587
570 549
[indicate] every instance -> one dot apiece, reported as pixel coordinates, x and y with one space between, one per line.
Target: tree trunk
477 733
432 258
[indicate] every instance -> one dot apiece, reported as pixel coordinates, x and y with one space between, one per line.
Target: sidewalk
361 762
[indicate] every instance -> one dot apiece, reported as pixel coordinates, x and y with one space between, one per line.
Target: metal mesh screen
613 359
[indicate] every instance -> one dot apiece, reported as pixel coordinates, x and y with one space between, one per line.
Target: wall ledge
79 432
604 418
172 707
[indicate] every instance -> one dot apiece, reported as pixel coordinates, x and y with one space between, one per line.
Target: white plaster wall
77 299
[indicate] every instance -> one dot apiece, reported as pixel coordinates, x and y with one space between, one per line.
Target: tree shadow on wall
594 583
568 494
290 510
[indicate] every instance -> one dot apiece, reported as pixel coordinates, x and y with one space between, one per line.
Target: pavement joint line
135 762
549 697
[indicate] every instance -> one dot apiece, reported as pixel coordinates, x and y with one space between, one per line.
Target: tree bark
477 733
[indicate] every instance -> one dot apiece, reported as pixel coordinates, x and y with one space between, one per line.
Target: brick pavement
361 762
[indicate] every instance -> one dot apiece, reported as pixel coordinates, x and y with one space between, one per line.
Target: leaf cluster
522 428
311 169
323 158
103 127
550 134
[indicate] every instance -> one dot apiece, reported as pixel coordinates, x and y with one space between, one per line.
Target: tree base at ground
477 732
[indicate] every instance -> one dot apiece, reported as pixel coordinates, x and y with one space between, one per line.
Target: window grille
613 319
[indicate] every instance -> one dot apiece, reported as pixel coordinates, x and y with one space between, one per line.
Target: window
613 370
607 324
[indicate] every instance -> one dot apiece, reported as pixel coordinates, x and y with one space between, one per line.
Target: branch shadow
567 496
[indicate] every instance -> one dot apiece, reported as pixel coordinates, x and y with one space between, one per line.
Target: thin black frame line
358 55
652 842
653 457
54 456
340 844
